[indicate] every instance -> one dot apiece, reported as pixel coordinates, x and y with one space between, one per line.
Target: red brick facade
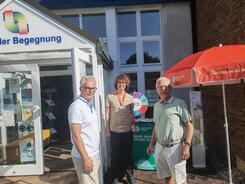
222 22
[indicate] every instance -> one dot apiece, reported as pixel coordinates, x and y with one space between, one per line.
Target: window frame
140 39
114 41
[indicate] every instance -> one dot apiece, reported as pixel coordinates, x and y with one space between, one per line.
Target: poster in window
8 102
26 114
26 95
197 117
27 151
196 105
8 110
14 85
8 118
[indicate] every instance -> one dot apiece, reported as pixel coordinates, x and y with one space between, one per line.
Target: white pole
95 69
227 134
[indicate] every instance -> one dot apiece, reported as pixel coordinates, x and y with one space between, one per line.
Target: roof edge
100 3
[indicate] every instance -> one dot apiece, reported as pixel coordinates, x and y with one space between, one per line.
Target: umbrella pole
227 134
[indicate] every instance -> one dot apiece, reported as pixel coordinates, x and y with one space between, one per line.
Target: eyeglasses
121 82
162 87
89 89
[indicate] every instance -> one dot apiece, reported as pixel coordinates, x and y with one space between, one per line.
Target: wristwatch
188 143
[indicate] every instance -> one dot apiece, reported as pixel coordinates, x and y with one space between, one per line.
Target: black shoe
114 181
131 180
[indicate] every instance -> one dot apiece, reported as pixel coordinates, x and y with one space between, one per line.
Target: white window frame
113 41
140 39
140 67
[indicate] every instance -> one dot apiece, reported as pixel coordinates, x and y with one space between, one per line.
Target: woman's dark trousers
121 155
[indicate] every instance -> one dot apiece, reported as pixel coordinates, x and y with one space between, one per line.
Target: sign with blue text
24 28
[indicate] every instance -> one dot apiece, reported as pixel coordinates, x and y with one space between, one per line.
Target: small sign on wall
198 148
197 118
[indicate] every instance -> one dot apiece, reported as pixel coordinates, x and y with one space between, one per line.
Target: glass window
95 24
150 23
73 19
17 117
89 69
151 52
133 82
150 86
127 53
149 112
126 24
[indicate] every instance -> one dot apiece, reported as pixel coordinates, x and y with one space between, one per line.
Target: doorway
56 96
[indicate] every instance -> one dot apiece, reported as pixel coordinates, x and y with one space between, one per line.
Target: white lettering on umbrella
229 71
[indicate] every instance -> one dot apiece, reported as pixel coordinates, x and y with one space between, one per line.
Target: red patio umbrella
214 66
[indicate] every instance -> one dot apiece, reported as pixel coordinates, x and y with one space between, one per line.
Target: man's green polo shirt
170 119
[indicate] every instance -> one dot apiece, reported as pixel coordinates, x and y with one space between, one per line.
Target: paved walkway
69 177
59 170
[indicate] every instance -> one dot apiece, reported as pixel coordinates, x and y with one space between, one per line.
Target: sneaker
131 180
114 181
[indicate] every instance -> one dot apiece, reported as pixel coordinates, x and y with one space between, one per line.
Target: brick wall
219 21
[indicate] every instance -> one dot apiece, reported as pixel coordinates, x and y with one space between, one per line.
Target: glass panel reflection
150 23
89 69
133 82
151 52
149 112
16 119
127 53
126 24
95 24
150 86
73 19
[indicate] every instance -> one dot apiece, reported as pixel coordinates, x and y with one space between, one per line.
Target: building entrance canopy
30 36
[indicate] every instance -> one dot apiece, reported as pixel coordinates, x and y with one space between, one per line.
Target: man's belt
169 144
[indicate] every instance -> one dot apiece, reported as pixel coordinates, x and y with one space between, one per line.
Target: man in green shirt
172 134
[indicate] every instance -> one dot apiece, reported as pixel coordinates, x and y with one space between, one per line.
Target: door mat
57 157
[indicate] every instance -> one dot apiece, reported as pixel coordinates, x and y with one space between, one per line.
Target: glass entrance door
20 124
